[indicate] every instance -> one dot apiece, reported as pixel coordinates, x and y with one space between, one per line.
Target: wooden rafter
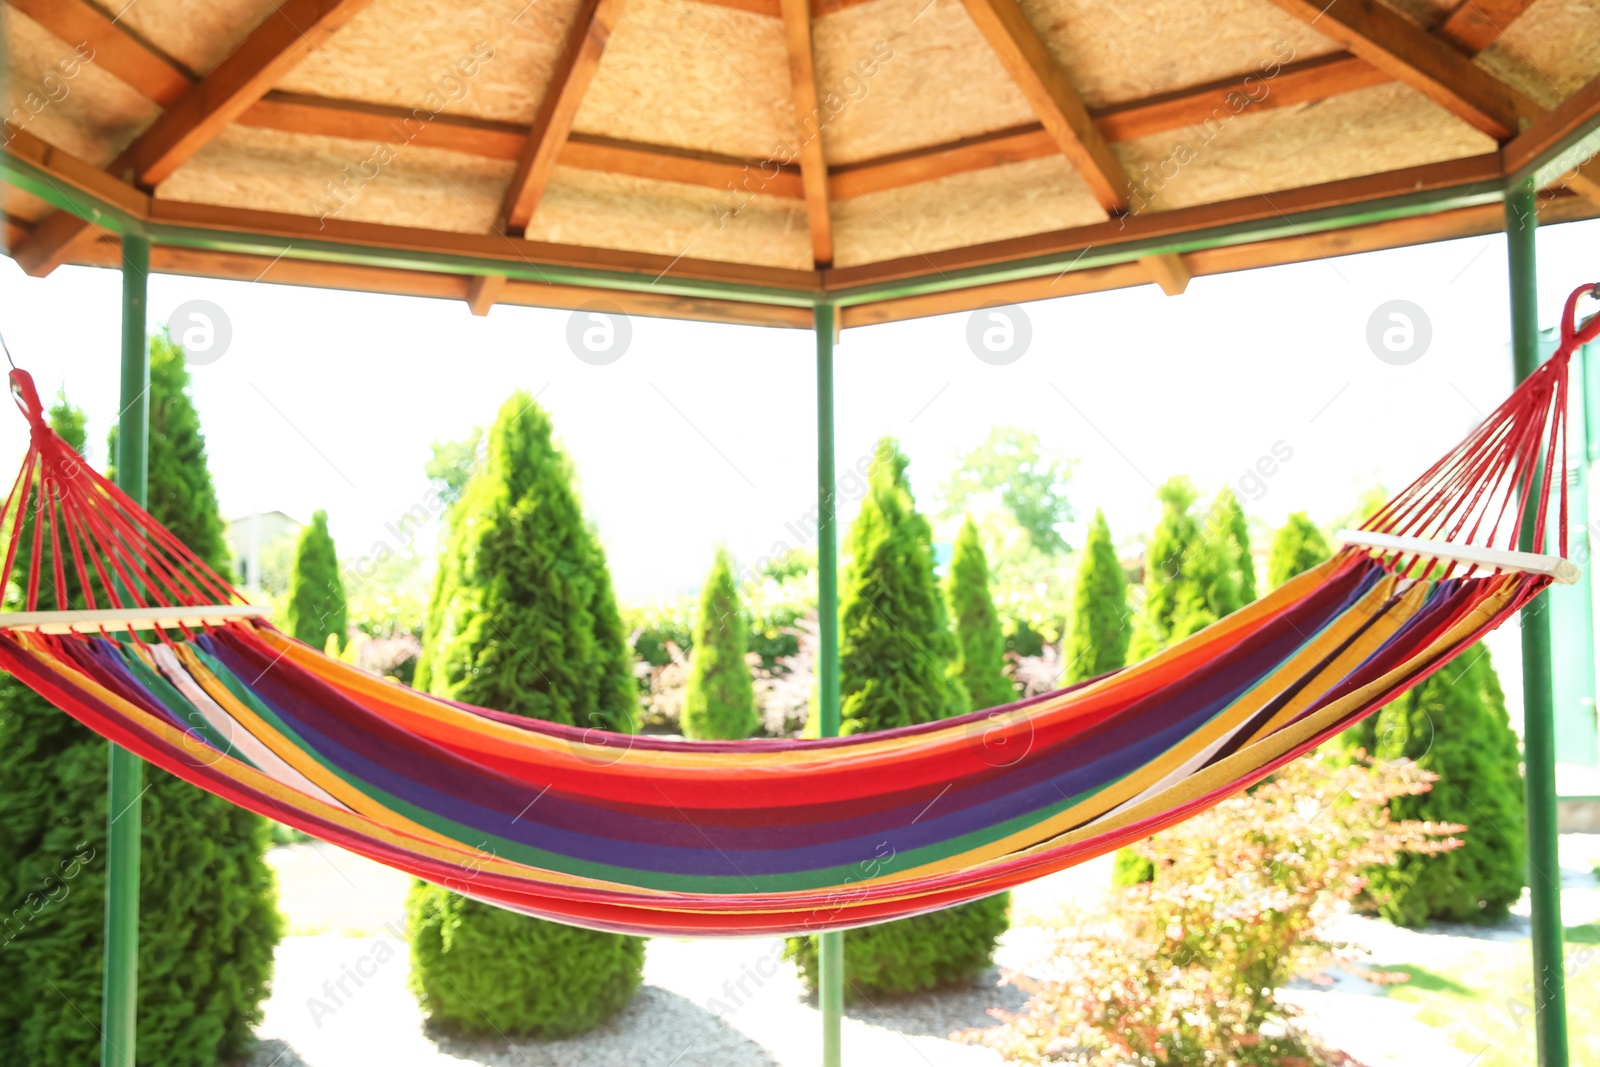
116 50
580 58
285 37
1065 118
1474 24
1409 54
808 123
1045 86
483 291
1578 114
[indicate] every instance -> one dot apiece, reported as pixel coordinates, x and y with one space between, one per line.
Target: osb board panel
933 79
88 113
197 33
1550 52
693 76
1114 51
963 209
641 215
1386 127
316 176
491 58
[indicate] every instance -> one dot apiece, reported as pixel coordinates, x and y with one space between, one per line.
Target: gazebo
778 163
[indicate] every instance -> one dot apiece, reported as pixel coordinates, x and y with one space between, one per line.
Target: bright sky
704 434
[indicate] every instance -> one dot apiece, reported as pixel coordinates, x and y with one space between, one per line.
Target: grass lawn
1484 1003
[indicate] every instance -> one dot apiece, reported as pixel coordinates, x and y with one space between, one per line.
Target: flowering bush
1184 969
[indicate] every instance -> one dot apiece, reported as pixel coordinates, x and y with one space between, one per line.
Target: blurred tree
1013 471
720 703
1097 641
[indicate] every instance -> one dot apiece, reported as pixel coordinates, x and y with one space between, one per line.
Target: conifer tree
1097 640
1298 547
1229 517
317 609
522 620
981 645
208 918
896 662
1173 597
719 703
1455 725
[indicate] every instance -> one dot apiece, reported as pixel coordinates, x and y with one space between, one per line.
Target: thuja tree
1172 593
980 643
896 668
317 609
1298 547
720 701
1453 725
208 919
1097 638
523 620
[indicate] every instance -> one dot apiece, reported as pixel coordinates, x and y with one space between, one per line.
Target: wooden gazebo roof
738 160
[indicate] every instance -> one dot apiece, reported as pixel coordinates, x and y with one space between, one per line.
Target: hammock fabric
657 836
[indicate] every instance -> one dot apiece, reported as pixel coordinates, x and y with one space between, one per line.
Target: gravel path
737 1004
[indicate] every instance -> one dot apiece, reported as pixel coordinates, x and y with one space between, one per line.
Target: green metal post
1538 704
830 946
119 1005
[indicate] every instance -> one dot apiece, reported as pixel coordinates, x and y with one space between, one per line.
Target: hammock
654 836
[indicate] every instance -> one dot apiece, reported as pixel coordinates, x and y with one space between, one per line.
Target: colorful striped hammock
657 836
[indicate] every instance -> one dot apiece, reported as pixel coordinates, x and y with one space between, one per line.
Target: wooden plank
1068 283
1296 83
1168 271
808 121
1054 100
1475 24
673 165
92 621
506 249
482 292
580 58
1560 570
1394 233
356 121
1015 145
203 263
1405 51
1577 114
152 75
1177 221
284 38
274 48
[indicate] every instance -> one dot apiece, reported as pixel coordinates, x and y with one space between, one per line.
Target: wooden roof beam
1409 54
1060 110
552 124
809 120
1475 24
1065 118
283 39
154 76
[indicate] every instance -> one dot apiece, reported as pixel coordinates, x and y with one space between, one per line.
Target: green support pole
1538 705
830 946
120 995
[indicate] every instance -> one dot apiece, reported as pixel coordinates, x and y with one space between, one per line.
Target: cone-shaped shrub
720 701
980 643
896 669
317 609
1228 527
1454 725
522 620
1297 548
1172 596
208 919
1097 640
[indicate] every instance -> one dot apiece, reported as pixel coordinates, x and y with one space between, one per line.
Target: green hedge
471 964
